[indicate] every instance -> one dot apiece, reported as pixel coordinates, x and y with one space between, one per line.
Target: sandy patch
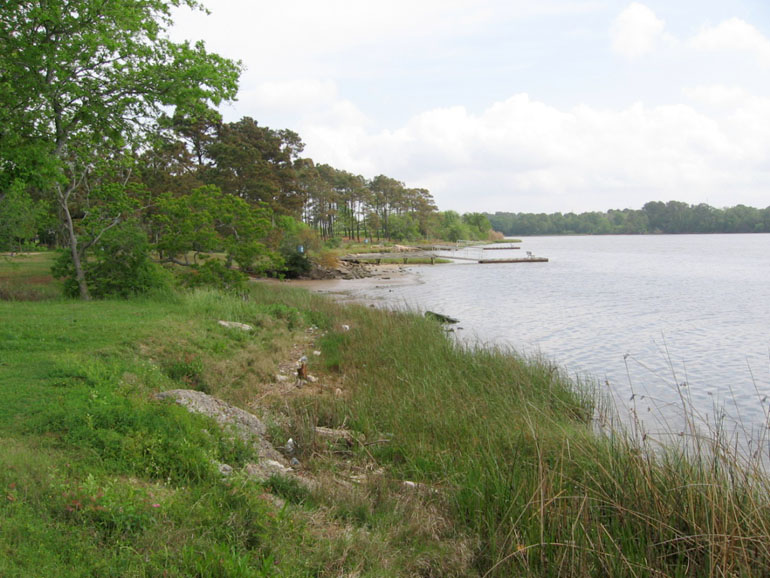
359 290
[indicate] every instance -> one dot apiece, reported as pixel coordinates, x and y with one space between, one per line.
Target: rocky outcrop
343 270
246 425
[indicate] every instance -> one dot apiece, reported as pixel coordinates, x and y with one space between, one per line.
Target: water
649 318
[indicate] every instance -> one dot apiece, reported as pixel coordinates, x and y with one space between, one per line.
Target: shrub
214 273
120 266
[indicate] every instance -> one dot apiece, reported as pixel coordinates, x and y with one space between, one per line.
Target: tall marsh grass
512 445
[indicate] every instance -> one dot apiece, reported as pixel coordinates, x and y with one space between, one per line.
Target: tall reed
512 445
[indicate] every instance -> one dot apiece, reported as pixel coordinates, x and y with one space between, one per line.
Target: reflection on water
652 316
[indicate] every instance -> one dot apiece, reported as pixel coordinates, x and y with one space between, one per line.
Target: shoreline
354 290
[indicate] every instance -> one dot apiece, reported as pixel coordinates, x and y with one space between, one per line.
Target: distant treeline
654 217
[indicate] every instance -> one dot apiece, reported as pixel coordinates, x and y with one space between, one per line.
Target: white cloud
303 98
521 154
734 35
636 31
717 95
315 67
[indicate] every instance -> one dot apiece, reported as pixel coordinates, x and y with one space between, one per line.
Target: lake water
648 318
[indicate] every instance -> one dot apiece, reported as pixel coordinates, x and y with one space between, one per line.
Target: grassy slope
99 479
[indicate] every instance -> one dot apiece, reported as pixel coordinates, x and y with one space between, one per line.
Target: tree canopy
84 80
654 217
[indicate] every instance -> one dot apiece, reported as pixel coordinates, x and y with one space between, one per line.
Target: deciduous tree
80 79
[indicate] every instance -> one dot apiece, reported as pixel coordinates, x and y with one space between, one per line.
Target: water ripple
646 314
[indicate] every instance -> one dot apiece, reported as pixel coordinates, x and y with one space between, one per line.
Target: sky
513 105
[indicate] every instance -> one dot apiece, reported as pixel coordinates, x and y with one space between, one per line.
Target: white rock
317 353
280 378
312 378
236 325
276 466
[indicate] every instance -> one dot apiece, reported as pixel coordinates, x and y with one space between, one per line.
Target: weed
290 490
188 370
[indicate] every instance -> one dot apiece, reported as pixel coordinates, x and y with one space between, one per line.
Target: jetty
423 255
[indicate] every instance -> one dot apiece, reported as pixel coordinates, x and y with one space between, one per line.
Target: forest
673 217
111 148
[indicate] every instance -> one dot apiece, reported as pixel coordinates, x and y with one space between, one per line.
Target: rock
265 469
281 378
317 353
225 469
346 327
247 426
440 317
290 446
334 435
294 463
312 379
236 325
417 487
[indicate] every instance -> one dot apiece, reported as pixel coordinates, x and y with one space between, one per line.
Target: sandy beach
355 290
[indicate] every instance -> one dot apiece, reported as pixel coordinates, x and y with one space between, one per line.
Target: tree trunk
73 243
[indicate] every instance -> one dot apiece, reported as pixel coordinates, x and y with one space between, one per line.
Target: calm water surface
646 317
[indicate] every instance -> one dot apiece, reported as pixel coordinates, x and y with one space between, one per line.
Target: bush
214 273
296 264
119 266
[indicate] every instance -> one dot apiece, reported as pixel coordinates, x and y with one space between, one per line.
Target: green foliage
333 345
81 83
27 277
208 221
404 228
119 267
295 264
20 217
188 370
290 490
673 217
214 273
452 228
257 163
296 239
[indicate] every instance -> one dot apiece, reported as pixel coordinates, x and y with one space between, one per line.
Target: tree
207 221
19 217
257 163
478 225
120 268
387 194
80 79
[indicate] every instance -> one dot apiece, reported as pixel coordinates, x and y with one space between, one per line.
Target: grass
460 461
27 277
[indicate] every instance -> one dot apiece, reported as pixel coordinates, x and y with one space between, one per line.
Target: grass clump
27 277
512 445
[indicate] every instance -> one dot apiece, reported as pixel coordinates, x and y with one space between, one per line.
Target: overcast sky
514 105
